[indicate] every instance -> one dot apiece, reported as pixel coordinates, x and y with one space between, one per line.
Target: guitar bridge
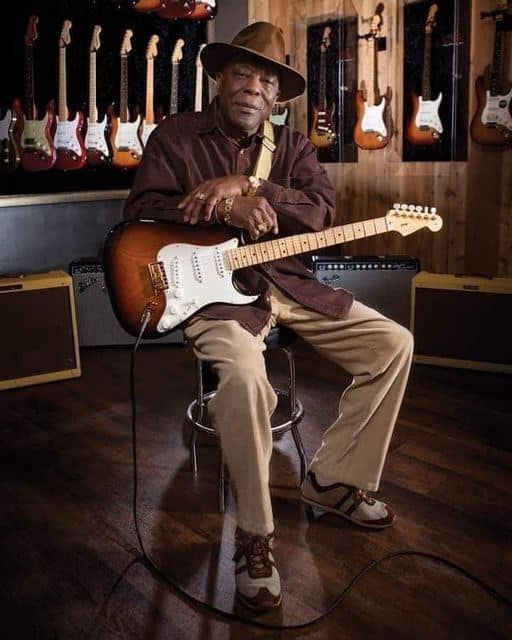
158 276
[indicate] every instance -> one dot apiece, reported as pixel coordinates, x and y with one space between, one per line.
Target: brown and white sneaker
346 501
258 585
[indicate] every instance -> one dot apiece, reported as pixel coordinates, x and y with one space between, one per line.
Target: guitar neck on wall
149 123
96 138
34 137
425 126
126 145
370 131
69 140
198 97
177 55
322 133
492 123
170 271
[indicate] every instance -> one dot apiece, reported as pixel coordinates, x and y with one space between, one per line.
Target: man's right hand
254 214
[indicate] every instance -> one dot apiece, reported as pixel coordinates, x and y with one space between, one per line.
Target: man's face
247 92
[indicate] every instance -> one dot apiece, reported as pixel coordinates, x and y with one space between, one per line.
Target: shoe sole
337 512
252 607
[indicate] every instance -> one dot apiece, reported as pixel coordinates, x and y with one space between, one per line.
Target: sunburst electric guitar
425 126
162 273
69 140
124 138
322 133
96 138
492 122
149 123
370 131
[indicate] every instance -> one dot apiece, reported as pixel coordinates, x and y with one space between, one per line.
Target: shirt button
242 152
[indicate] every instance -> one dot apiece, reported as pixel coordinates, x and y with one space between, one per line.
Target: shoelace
360 496
256 550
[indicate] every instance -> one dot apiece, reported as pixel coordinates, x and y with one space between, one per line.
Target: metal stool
197 412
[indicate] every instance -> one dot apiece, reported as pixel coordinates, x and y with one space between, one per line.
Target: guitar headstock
152 51
326 39
376 21
177 53
199 64
65 37
126 45
95 40
430 23
31 32
408 218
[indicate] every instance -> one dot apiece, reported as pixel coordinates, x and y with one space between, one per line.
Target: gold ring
201 196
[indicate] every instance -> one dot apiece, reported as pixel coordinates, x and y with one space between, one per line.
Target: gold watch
254 185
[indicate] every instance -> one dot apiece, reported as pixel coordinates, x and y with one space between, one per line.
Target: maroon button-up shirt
189 148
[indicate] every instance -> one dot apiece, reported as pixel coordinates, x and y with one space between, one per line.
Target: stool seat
280 339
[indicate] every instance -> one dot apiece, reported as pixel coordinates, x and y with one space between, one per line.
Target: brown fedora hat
265 43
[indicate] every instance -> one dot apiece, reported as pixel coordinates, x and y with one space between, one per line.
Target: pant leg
240 412
377 353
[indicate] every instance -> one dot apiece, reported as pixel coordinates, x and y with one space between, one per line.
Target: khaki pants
373 349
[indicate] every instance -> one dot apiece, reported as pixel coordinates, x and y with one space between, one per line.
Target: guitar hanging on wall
492 122
96 138
34 137
370 131
169 271
68 140
126 146
425 126
198 96
9 155
203 10
174 9
149 123
322 133
177 55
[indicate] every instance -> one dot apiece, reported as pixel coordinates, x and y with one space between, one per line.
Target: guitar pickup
158 276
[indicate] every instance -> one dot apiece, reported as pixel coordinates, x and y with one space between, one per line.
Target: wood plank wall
473 197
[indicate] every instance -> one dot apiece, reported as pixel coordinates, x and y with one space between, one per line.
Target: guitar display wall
115 18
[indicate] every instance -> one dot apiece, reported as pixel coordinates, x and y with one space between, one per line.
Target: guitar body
132 246
492 123
69 143
145 131
322 133
96 143
34 139
204 10
280 118
9 155
174 9
147 5
425 126
370 131
126 146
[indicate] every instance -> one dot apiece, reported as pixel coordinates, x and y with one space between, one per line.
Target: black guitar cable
150 564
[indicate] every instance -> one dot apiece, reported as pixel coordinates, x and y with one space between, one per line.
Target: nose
253 85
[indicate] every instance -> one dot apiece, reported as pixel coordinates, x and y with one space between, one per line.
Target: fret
369 228
358 229
283 248
330 237
321 239
253 256
381 225
339 235
349 232
275 248
313 244
259 252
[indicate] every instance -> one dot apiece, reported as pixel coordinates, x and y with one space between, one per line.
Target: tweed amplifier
97 324
462 321
38 330
381 282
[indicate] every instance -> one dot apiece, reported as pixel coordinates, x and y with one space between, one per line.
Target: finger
271 220
193 211
209 208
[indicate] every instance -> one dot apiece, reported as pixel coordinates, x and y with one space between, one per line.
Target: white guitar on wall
198 99
98 152
149 124
166 272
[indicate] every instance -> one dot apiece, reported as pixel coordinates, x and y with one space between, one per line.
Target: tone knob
166 323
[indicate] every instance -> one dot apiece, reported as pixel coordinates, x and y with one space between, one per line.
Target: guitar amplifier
380 282
38 329
97 324
462 321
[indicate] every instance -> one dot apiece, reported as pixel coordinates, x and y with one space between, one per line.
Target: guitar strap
264 161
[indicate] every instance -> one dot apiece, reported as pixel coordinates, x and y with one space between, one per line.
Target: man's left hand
200 203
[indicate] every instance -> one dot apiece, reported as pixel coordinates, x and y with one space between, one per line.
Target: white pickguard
279 118
66 135
497 111
126 137
95 139
34 136
196 276
428 114
147 129
372 119
5 125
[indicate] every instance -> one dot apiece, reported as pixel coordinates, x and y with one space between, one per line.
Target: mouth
245 107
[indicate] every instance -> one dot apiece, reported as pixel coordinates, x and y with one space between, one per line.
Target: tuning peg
426 210
418 208
396 205
433 210
412 207
404 207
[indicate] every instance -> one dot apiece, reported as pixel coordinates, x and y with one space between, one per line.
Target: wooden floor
68 534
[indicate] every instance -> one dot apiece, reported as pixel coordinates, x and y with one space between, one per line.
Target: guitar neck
426 90
123 102
173 108
497 60
29 82
258 253
198 102
149 113
63 110
321 86
93 110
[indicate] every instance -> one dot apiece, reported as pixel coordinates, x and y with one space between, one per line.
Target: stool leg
292 395
221 483
301 451
193 452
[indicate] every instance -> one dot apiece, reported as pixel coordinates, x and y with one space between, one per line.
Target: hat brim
217 54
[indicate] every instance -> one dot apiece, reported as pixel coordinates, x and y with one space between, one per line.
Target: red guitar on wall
174 9
34 138
69 140
322 133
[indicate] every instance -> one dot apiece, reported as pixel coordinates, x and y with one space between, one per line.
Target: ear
218 80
